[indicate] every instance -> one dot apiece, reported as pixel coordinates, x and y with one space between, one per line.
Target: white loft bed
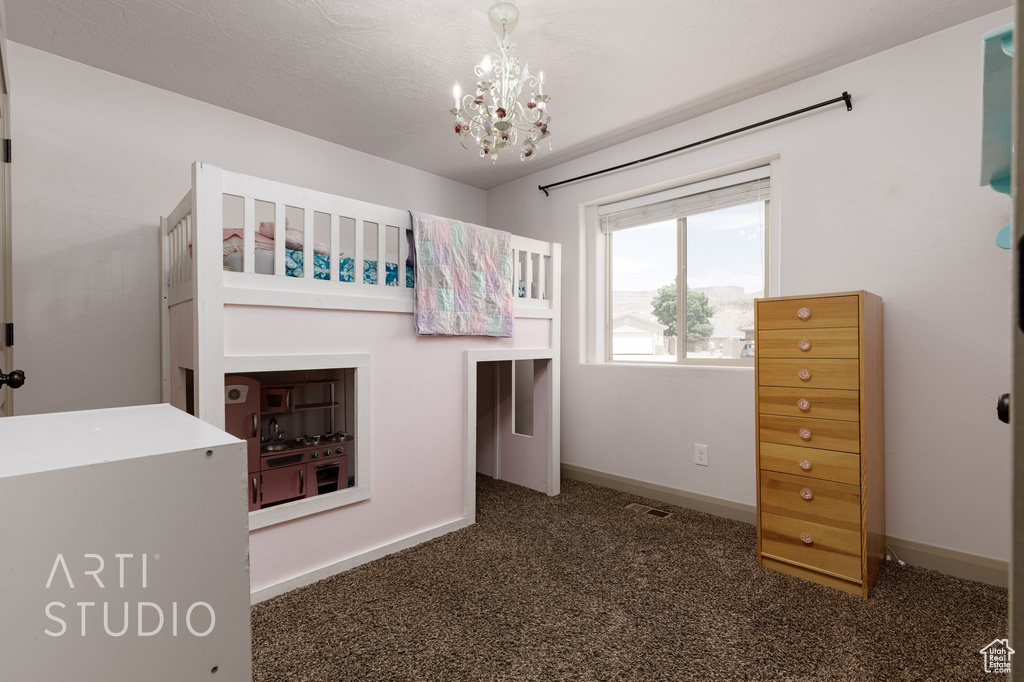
201 298
194 268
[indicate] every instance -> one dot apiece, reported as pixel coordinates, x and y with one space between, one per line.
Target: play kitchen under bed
238 246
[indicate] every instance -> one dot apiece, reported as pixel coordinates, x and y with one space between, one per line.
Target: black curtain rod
845 97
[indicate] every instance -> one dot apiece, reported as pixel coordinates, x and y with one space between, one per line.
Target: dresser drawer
823 434
802 313
842 467
809 372
818 403
815 545
811 499
831 342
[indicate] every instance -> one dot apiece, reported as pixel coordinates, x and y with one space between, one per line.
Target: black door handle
16 379
1003 408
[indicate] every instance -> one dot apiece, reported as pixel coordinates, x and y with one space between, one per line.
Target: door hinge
9 334
7 150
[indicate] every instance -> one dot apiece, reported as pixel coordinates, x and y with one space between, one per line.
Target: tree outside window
698 312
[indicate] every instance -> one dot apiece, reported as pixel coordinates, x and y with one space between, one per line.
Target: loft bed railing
345 239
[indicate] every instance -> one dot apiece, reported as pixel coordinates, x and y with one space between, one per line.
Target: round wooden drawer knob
804 374
804 313
804 344
805 465
804 404
806 538
805 433
806 493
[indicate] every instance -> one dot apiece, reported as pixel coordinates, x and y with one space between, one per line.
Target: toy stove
304 449
303 467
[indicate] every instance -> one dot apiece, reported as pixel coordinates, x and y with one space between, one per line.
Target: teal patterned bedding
321 266
321 269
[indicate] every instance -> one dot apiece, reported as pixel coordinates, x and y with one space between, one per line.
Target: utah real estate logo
997 656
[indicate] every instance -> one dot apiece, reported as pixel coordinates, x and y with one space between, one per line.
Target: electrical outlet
700 454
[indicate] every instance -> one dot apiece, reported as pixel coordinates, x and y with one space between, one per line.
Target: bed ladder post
554 285
280 239
528 275
541 275
382 251
334 264
208 292
308 254
249 229
360 251
165 314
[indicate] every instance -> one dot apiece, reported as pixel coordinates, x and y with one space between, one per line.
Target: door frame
6 275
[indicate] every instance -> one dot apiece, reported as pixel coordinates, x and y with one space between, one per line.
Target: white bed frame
199 297
198 220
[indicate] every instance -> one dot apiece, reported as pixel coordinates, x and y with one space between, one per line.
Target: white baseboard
264 593
737 511
951 562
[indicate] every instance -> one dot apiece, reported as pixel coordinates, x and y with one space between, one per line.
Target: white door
1017 403
6 299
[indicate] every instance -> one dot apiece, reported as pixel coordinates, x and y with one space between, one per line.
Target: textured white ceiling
376 75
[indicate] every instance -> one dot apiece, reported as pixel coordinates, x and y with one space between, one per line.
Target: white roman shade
722 192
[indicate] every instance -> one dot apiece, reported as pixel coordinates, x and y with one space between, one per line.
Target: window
683 269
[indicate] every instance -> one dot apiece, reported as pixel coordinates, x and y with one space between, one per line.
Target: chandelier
494 117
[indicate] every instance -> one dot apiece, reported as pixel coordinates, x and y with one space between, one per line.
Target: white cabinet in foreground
124 536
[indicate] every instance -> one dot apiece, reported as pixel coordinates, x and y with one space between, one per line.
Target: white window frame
595 282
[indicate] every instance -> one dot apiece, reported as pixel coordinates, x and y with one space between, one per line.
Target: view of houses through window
712 259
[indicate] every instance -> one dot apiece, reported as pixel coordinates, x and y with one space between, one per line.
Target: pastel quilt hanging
463 278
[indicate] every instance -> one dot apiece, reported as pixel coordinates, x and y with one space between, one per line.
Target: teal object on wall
996 117
1004 237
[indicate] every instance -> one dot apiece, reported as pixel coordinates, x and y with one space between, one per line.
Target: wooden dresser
820 461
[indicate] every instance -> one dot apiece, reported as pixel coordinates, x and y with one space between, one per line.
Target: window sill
692 364
308 506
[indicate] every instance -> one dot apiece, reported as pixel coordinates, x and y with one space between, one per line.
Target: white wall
97 160
884 198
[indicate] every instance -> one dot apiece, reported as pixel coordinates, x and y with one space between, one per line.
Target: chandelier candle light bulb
494 117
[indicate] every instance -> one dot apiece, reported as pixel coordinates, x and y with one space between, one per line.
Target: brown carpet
576 587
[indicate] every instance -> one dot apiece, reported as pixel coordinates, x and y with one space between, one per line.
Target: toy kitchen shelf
281 398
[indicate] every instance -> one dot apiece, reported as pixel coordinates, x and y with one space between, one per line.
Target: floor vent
650 511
